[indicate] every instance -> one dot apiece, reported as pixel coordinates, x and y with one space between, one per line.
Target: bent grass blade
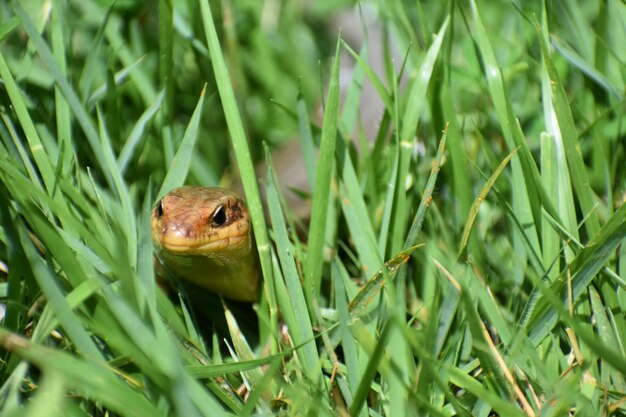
480 198
372 288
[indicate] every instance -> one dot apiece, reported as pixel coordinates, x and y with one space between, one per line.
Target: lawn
448 238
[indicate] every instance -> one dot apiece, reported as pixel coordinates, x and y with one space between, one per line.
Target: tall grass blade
302 331
177 172
325 166
239 142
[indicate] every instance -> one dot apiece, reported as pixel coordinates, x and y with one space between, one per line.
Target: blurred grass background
484 139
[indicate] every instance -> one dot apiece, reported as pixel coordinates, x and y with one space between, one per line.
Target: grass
464 257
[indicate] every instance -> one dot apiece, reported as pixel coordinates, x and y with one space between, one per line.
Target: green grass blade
302 331
63 116
500 405
177 172
388 211
377 83
526 196
356 214
375 358
14 145
166 57
90 379
128 222
306 140
216 370
583 270
578 171
353 354
375 284
482 195
351 106
427 196
321 194
243 351
529 323
239 142
72 99
410 120
89 69
9 26
120 78
549 238
50 396
137 132
461 180
578 62
36 148
47 282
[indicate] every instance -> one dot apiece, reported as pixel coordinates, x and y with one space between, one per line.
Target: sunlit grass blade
36 148
68 92
574 245
301 328
239 142
50 397
603 324
417 92
409 122
15 146
216 370
91 379
577 61
577 169
549 172
244 353
177 172
583 270
146 287
390 192
321 194
528 320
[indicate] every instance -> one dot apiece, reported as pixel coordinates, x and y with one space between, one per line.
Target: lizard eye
159 209
219 216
